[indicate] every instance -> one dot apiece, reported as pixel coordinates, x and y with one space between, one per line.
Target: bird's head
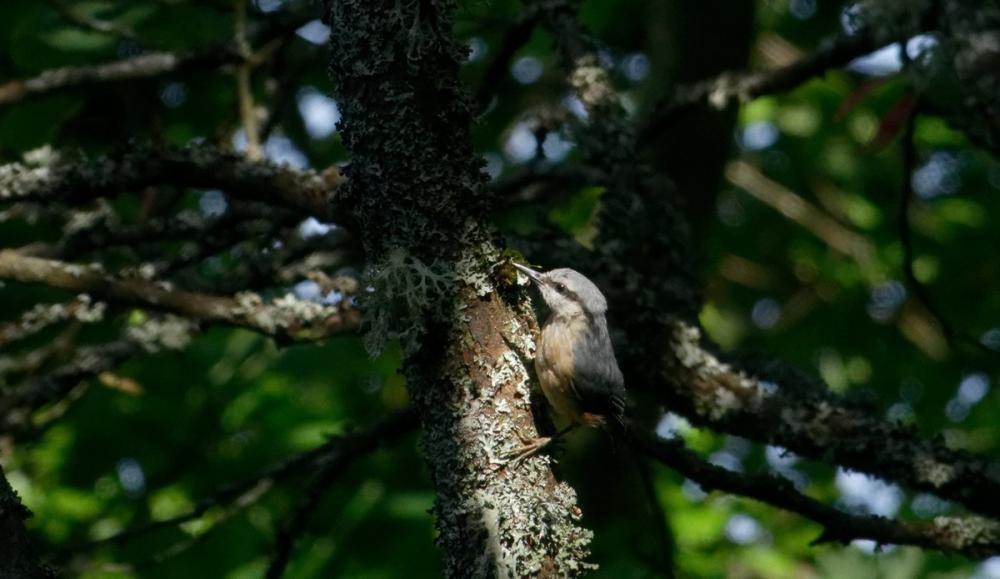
567 292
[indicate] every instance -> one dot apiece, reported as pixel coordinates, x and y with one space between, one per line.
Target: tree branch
77 180
286 318
972 536
235 225
740 87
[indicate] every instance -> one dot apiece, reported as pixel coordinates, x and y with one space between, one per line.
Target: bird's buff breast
554 366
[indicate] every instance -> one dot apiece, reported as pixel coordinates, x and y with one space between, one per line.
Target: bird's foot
530 448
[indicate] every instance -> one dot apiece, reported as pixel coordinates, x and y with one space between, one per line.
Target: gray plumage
575 362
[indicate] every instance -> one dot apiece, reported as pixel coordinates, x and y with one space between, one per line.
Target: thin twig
244 88
143 66
909 158
796 208
17 404
909 162
75 16
660 521
331 464
516 36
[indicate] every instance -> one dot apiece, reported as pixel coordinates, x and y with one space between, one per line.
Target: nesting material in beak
532 274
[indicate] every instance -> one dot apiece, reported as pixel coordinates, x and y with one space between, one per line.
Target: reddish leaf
894 121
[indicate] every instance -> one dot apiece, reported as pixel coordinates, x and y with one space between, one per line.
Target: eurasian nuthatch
575 362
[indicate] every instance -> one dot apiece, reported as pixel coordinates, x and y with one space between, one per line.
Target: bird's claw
530 448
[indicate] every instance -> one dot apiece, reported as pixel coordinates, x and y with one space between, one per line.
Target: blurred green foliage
232 403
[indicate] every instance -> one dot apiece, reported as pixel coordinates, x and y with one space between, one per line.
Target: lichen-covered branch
46 175
781 407
971 536
287 318
416 190
81 308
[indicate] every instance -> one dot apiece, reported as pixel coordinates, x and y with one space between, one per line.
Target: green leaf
35 123
78 40
576 216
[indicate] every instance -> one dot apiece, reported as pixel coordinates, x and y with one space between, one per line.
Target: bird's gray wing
597 380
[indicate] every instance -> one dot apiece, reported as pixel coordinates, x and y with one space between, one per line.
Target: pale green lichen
287 312
81 221
406 295
82 309
472 267
42 156
167 332
970 533
591 83
934 472
723 389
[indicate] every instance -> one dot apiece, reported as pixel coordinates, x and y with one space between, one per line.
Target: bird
574 359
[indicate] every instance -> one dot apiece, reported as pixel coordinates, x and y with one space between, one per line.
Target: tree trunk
17 558
417 198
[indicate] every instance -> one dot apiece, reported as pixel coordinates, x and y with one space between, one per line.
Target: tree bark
17 557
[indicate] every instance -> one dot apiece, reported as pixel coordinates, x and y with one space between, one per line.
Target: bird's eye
560 288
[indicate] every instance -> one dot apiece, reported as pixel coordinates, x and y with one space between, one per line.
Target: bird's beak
532 274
